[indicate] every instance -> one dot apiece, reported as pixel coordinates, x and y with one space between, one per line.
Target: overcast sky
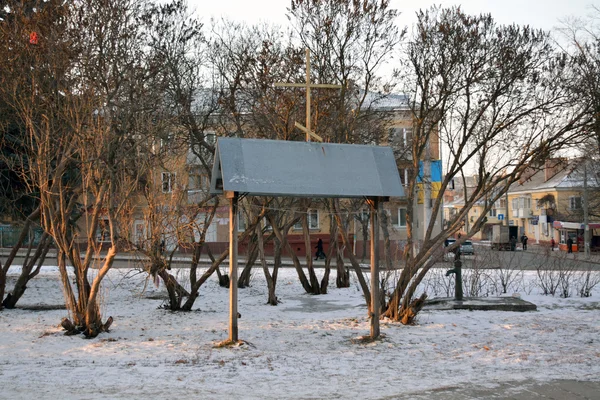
543 14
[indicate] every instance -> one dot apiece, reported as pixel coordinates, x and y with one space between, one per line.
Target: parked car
447 253
466 248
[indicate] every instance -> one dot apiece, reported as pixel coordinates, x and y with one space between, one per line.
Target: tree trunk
13 253
70 300
194 291
271 297
387 251
93 322
402 307
330 253
27 272
223 278
276 263
355 265
193 295
244 279
364 228
314 282
343 277
171 284
409 313
283 239
195 261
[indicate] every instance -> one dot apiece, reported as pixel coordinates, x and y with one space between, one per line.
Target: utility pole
506 211
586 221
426 188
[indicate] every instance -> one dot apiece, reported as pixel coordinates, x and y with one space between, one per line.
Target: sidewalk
554 390
543 248
132 259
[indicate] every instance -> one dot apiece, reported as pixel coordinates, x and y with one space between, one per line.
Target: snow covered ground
302 349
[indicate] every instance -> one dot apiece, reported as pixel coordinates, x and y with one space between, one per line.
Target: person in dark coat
320 253
569 245
524 239
513 243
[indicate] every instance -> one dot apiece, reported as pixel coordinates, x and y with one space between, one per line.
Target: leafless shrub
508 274
587 280
555 275
476 282
437 284
566 274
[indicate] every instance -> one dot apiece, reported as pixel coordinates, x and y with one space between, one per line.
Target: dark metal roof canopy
304 169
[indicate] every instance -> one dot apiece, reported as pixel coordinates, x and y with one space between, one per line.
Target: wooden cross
307 86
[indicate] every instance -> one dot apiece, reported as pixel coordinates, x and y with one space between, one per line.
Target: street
535 257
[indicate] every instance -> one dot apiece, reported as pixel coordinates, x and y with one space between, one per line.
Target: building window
575 203
403 172
199 181
493 212
313 220
210 138
401 139
241 221
268 226
168 181
365 215
399 217
103 230
402 216
166 143
524 202
139 233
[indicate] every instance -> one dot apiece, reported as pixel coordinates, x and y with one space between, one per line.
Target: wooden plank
312 85
375 306
233 270
303 129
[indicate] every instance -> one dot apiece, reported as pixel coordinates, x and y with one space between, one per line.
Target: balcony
524 213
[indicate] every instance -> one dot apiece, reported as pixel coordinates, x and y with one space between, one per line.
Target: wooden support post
307 94
233 266
375 306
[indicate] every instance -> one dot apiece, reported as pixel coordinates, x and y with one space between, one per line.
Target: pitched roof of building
568 175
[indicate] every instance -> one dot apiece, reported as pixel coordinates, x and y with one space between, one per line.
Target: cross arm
303 129
312 85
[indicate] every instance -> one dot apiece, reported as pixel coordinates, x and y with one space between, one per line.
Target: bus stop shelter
260 167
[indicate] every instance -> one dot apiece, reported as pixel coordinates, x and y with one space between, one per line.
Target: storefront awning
574 225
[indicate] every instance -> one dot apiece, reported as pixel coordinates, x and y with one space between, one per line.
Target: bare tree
25 29
580 41
493 95
350 42
83 101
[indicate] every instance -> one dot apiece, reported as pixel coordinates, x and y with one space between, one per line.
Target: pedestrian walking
552 244
320 253
569 245
524 239
513 243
